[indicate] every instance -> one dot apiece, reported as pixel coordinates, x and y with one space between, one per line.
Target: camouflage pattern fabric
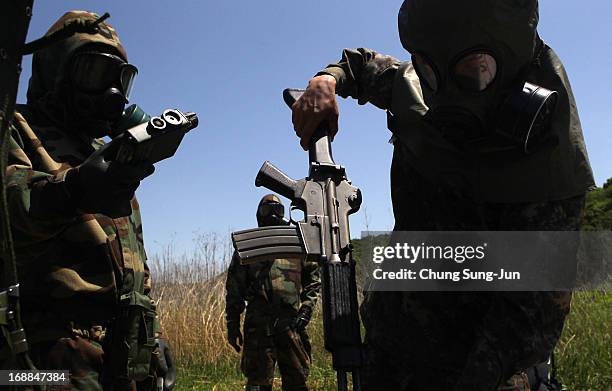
446 340
493 334
69 259
72 266
274 291
262 352
81 356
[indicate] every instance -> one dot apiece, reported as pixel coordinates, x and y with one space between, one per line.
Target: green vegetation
598 213
584 354
190 290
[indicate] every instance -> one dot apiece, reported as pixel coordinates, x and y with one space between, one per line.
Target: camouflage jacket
273 290
556 173
72 266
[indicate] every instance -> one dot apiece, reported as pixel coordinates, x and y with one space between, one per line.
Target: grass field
191 291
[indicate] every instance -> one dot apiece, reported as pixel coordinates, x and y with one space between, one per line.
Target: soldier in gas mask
76 224
486 137
280 296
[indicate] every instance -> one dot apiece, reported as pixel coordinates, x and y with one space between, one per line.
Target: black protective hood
442 29
46 95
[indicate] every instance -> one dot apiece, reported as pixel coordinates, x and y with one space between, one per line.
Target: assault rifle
327 198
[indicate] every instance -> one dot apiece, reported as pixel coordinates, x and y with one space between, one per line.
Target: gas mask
467 106
472 58
100 86
270 212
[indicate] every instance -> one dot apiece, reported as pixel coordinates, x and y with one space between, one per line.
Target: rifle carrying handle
319 150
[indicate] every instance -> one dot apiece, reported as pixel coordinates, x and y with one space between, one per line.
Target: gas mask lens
425 71
95 72
128 73
475 71
272 209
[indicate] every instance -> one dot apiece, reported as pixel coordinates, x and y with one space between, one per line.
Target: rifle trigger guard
292 208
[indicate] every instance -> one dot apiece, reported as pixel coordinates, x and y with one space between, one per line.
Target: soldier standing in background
460 113
280 296
76 225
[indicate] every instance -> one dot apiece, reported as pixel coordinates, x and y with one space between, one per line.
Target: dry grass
190 290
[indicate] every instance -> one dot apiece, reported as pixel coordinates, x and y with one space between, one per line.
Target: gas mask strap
74 27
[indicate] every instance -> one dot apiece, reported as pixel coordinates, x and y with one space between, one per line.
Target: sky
230 60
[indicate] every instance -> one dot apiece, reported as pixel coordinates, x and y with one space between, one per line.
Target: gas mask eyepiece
270 213
475 71
472 72
101 84
96 71
525 117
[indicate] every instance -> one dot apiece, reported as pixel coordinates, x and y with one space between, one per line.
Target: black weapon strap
14 21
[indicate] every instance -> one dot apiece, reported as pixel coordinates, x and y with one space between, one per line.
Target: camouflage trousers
476 341
288 348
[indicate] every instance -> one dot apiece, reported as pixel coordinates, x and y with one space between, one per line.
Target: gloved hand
102 186
166 368
317 104
234 336
302 318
